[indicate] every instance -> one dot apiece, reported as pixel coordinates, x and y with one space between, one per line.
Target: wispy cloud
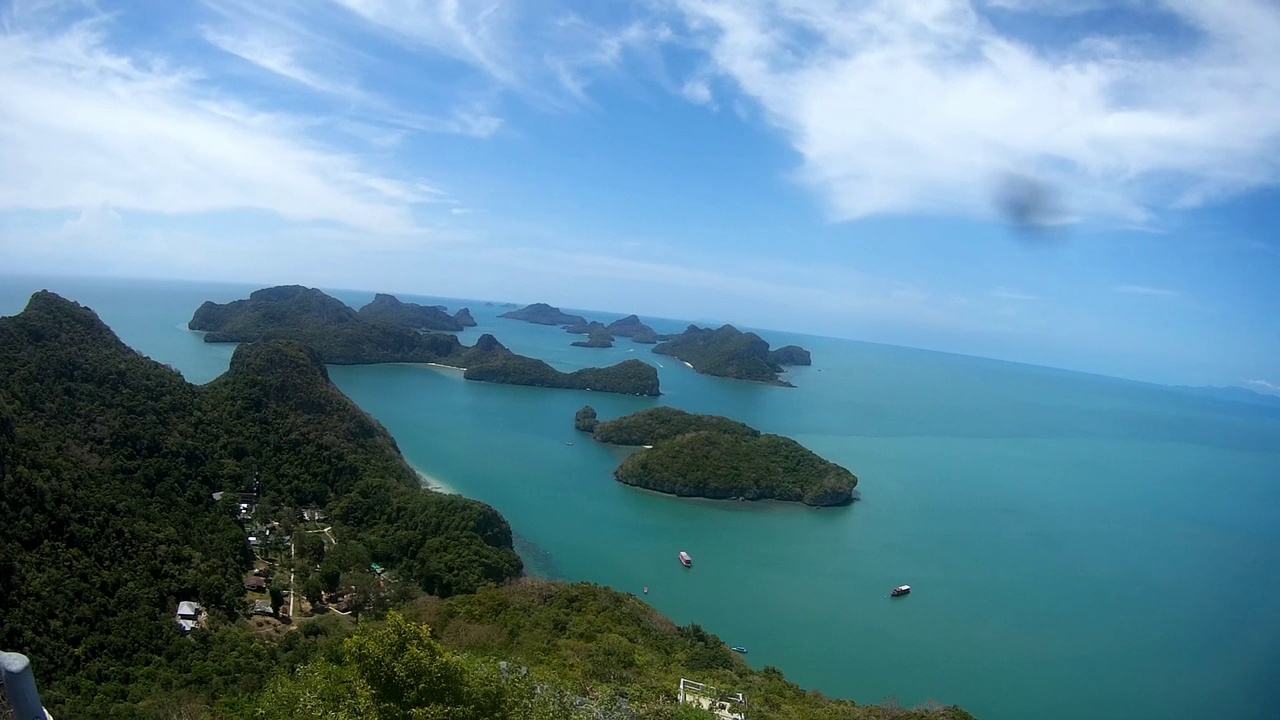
1005 293
902 106
83 125
1146 290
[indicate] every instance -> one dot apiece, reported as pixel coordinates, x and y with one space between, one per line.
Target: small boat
685 560
646 589
900 591
739 649
568 443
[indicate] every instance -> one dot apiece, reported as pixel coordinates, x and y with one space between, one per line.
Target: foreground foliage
714 457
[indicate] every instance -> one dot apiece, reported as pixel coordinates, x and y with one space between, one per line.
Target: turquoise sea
1079 546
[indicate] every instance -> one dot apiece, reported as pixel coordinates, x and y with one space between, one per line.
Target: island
597 337
463 318
729 352
631 327
341 336
544 314
389 309
790 355
151 488
715 457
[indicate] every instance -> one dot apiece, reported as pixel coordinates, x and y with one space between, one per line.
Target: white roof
187 607
903 587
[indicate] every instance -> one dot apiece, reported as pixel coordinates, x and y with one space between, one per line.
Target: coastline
432 483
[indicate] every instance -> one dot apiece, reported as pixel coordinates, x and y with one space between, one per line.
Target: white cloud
698 91
82 125
471 31
1146 290
903 106
99 222
1005 293
1263 386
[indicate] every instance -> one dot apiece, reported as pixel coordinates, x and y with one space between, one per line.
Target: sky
1083 184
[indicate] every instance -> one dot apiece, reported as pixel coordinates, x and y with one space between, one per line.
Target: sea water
1078 546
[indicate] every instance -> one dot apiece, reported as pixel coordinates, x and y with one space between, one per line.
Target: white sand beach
433 483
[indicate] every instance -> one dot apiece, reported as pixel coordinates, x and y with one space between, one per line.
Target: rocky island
729 352
631 327
544 314
597 336
463 318
341 336
389 309
711 456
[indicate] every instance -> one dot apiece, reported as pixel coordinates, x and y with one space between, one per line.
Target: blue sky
827 166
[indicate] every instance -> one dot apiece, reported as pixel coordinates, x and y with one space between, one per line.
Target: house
261 607
188 615
255 584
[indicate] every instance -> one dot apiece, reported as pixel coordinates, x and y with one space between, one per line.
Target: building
705 697
261 607
255 584
188 615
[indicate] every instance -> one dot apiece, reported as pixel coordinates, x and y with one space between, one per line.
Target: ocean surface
1078 546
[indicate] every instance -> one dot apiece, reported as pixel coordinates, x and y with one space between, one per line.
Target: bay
1079 546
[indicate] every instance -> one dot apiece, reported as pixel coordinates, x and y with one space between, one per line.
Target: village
290 580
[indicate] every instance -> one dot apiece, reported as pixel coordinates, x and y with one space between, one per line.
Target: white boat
685 560
900 590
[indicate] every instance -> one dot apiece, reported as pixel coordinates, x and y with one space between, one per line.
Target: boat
739 649
646 589
685 560
900 591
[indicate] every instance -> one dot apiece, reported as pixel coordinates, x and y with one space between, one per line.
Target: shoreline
432 483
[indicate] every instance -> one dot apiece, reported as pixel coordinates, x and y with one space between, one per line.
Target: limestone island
631 327
544 314
715 457
463 317
597 335
729 352
389 309
341 336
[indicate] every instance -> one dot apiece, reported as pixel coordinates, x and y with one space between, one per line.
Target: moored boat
739 649
685 560
900 591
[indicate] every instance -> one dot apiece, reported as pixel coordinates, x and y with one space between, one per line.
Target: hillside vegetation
106 511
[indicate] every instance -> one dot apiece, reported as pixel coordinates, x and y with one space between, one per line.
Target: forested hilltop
729 352
107 517
343 336
108 464
716 457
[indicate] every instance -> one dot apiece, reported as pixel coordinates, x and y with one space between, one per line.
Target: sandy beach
432 483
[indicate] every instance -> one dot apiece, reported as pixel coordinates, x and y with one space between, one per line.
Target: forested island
108 467
631 327
729 352
544 314
715 457
389 309
597 335
343 336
